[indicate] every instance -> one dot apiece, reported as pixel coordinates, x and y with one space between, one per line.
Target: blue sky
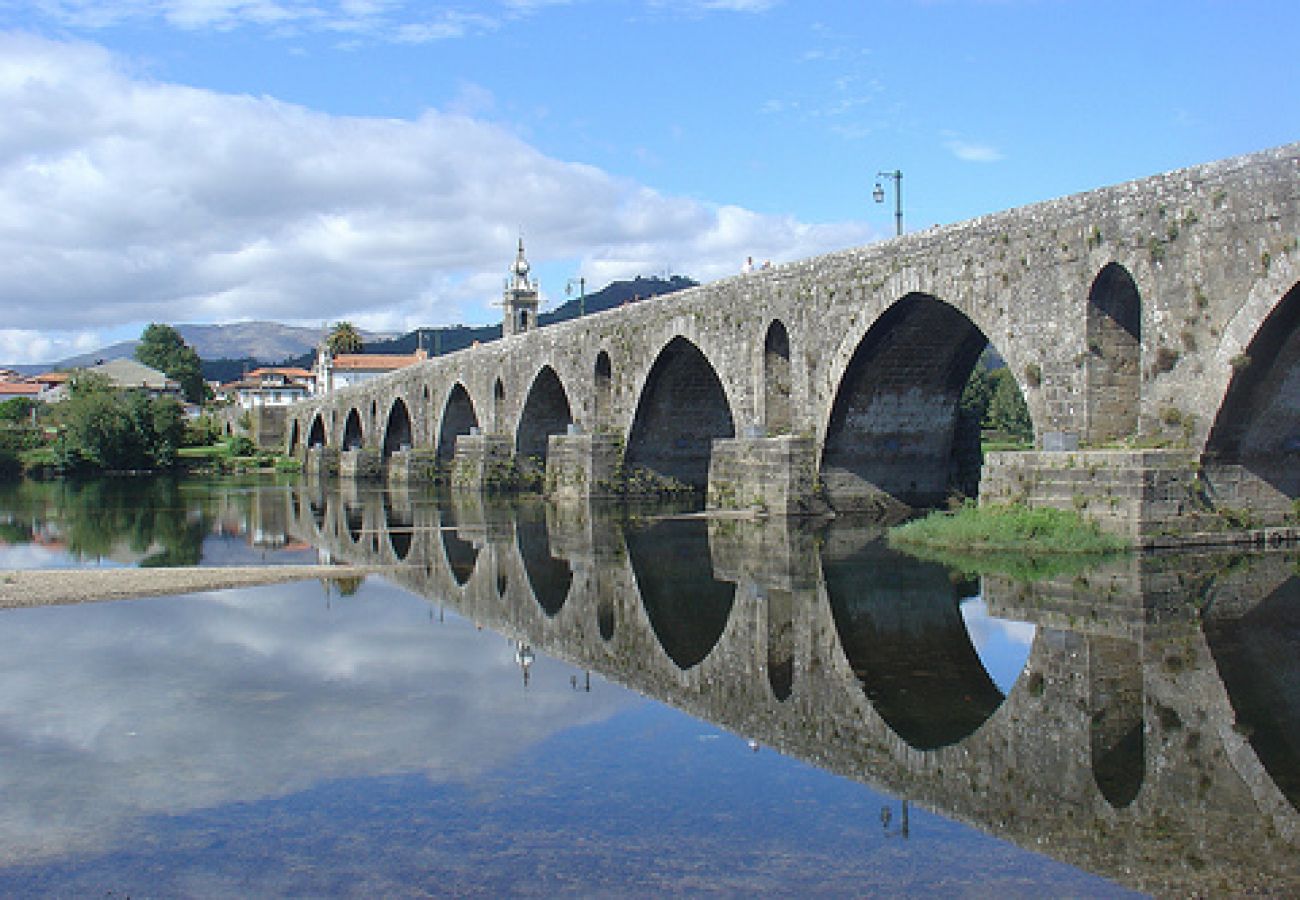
375 160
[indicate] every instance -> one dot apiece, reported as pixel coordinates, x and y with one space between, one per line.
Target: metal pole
898 202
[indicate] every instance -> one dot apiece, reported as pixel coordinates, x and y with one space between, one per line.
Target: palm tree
344 338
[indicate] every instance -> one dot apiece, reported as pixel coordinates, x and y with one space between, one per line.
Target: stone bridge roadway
1125 747
1162 312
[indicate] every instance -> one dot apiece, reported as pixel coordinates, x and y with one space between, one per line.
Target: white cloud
973 152
124 200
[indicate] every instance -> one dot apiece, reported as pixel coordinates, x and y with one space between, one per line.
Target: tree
163 348
344 338
1007 411
111 429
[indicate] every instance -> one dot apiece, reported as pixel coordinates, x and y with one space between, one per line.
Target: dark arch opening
457 418
604 376
498 406
895 434
777 383
316 435
688 609
682 410
1258 657
549 577
462 556
780 643
1116 698
1252 456
546 412
353 438
293 438
1113 365
605 621
399 522
900 624
354 517
398 433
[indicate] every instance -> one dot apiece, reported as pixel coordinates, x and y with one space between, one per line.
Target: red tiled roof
288 371
378 361
20 389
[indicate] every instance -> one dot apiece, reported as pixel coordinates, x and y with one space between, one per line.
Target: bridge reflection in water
1152 734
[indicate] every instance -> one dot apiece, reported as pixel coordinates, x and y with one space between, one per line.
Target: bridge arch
777 383
892 434
353 434
316 434
458 417
1116 700
1253 449
548 576
603 377
546 412
682 409
1113 366
398 433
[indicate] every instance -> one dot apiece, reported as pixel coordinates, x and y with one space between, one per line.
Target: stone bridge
1131 744
1151 328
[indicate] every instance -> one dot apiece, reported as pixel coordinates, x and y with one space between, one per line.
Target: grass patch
1006 529
1020 566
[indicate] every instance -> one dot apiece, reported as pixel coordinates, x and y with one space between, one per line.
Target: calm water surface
541 701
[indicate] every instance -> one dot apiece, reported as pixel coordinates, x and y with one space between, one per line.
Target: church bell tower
520 298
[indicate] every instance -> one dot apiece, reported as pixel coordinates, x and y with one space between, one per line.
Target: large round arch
458 417
1252 455
1113 366
398 434
353 435
893 432
683 409
777 417
546 412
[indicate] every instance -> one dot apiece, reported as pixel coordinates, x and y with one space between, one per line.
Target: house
269 386
123 374
346 369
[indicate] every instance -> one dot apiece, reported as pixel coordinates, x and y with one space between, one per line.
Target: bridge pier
484 462
582 465
775 474
320 462
412 466
1137 494
361 463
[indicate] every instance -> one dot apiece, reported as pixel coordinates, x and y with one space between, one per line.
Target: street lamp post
582 294
879 195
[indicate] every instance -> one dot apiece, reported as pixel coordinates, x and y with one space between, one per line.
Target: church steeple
520 298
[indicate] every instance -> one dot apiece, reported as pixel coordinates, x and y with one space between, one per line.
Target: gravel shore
57 587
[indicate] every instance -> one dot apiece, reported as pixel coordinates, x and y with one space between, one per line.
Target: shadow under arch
894 425
1255 439
687 607
777 383
353 435
546 412
900 625
458 417
549 577
316 434
398 434
1117 739
1258 658
682 410
1113 364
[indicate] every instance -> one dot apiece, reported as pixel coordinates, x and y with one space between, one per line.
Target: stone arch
1113 365
398 434
893 432
1252 455
682 410
546 412
498 406
461 555
1116 700
777 383
458 418
353 434
888 616
604 393
316 434
687 608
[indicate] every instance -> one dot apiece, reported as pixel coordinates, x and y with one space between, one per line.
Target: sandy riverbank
57 587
